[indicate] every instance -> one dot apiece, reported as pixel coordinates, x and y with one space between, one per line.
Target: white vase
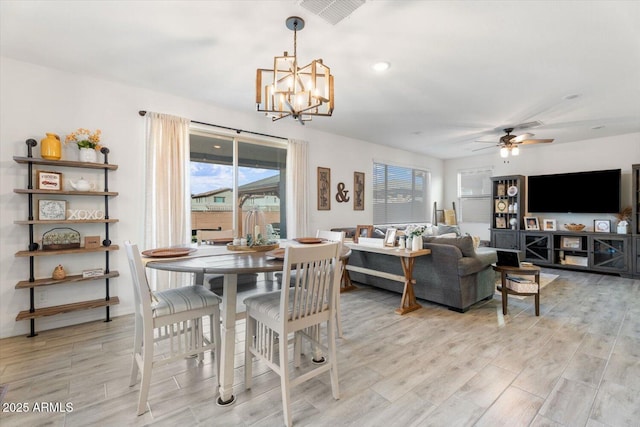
88 155
416 243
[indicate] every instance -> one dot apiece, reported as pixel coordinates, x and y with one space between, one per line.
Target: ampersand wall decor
341 195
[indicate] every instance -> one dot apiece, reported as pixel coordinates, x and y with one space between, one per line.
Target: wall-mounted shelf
34 252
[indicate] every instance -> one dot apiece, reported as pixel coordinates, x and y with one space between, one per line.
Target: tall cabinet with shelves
508 194
35 252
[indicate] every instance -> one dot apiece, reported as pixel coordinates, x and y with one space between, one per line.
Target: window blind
399 194
474 194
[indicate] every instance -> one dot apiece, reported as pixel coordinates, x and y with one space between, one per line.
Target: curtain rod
143 113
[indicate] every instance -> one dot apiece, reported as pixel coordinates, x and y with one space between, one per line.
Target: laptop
508 259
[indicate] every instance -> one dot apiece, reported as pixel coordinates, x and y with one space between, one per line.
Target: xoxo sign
85 214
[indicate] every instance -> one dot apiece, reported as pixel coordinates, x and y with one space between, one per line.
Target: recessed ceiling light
381 66
217 146
571 96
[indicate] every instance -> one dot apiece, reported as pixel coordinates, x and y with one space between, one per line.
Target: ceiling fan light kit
293 91
509 144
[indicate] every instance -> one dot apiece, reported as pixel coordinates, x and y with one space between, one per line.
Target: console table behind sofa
454 274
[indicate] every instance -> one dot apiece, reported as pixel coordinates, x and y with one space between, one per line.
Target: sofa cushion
464 243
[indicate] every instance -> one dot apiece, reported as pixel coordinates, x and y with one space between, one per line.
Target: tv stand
588 251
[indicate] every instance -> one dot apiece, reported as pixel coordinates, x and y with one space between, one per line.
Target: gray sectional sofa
455 274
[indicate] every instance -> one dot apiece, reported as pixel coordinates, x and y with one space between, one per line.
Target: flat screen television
578 192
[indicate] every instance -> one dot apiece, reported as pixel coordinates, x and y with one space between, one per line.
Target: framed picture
324 189
363 231
501 222
52 210
531 223
48 180
358 191
549 224
502 206
602 226
390 237
501 190
567 242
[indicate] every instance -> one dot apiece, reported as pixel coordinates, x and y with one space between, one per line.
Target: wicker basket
574 227
60 238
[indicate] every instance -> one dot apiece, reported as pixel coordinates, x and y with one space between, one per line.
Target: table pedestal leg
409 302
228 332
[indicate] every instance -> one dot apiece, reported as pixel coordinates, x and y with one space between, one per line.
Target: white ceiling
460 70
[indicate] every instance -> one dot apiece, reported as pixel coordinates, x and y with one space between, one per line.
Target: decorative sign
502 206
341 195
358 191
96 272
91 242
324 185
49 180
85 214
51 210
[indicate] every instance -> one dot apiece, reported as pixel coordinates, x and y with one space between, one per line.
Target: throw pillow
446 236
445 229
464 243
476 241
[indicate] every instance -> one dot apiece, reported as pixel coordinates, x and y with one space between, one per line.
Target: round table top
233 263
523 269
240 263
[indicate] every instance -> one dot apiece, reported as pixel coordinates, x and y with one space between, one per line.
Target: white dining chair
307 305
174 315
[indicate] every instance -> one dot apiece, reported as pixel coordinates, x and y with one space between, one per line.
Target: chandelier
290 90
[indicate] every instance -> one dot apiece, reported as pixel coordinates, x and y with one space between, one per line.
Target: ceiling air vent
332 11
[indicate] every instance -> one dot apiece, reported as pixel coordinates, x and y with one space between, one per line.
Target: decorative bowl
574 227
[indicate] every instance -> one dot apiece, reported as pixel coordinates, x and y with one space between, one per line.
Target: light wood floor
578 364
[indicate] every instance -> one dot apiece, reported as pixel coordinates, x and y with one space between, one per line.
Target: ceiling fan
509 143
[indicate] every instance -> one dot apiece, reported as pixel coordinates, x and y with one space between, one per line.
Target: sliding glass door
234 177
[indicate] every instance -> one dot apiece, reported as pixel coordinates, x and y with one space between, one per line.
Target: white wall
594 154
37 99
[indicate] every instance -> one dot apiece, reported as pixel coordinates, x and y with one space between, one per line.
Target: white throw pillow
447 236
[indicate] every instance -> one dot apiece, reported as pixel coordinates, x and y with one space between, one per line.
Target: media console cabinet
589 251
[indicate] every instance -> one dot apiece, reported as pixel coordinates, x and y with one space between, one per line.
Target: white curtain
297 189
167 204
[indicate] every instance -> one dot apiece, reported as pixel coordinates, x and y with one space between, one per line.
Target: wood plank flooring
578 364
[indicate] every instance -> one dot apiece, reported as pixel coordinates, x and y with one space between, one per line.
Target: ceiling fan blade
522 137
535 141
486 142
483 148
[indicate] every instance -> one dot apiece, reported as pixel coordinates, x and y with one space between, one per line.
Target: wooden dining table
219 260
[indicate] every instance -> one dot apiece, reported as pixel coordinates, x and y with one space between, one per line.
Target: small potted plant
623 218
414 233
88 143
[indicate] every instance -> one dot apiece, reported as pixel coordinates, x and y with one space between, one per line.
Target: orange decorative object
51 147
59 273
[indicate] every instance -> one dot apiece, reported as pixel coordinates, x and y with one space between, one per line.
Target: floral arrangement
624 215
84 138
415 230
